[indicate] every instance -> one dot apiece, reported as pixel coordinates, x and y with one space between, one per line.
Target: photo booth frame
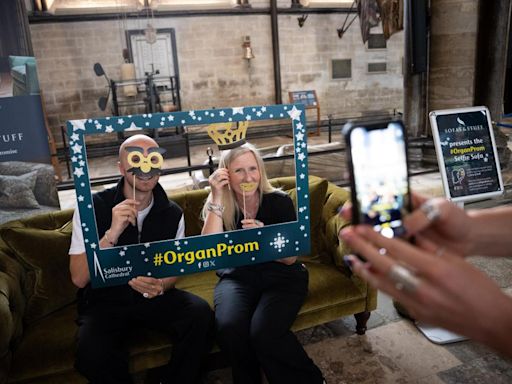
464 143
119 264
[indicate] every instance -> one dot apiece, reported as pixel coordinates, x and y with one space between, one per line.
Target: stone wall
452 53
212 71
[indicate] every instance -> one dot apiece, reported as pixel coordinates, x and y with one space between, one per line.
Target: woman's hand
218 180
251 223
440 222
445 291
436 220
255 223
287 260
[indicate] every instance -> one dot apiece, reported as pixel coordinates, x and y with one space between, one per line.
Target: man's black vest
161 223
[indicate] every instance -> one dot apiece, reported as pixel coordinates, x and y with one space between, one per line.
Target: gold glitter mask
248 187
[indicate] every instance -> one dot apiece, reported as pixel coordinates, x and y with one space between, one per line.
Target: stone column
491 63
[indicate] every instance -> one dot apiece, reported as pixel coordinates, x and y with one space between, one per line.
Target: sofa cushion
45 189
44 253
18 191
317 190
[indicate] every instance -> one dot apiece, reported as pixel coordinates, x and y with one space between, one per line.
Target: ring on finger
146 295
440 251
404 279
431 211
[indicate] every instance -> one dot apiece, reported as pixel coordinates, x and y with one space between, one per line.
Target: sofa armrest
338 248
335 197
32 80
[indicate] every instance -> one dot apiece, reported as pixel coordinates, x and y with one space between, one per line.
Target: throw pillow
317 190
44 254
18 191
45 190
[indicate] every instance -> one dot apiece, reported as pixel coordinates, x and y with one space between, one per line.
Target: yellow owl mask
145 165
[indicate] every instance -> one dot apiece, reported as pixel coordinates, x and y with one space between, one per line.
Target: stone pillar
491 62
415 112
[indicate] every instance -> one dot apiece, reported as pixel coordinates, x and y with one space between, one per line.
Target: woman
255 305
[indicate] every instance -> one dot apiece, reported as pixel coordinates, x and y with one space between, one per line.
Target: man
107 317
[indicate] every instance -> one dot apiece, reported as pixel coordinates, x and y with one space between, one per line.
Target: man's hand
123 214
149 287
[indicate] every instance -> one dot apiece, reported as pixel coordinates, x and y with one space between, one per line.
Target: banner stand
438 335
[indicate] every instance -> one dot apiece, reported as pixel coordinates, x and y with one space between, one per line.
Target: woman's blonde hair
231 208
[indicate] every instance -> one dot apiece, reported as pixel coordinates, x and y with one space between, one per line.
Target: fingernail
348 261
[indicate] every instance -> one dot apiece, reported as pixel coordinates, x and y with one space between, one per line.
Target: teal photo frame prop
176 257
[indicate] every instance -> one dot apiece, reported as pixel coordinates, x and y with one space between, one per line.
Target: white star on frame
78 125
76 148
78 172
132 127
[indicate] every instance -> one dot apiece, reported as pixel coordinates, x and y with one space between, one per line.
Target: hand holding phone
377 162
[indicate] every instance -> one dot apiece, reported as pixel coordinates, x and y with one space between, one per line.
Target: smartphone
378 167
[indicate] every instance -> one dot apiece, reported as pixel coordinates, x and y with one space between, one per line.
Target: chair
24 75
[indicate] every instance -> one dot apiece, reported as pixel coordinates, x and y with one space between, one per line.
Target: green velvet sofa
37 299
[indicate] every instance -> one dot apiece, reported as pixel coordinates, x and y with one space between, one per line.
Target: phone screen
380 176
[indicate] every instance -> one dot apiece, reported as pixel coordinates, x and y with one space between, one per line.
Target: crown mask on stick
226 137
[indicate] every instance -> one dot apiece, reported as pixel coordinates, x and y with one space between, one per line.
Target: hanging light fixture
246 45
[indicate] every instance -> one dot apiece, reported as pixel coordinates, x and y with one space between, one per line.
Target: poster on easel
28 184
466 153
309 100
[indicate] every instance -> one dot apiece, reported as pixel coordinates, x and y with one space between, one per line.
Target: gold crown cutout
227 137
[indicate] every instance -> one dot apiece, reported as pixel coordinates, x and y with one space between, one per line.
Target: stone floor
394 351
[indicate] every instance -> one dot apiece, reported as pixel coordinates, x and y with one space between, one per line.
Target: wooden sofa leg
361 320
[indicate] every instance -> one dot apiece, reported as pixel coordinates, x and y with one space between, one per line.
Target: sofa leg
361 320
